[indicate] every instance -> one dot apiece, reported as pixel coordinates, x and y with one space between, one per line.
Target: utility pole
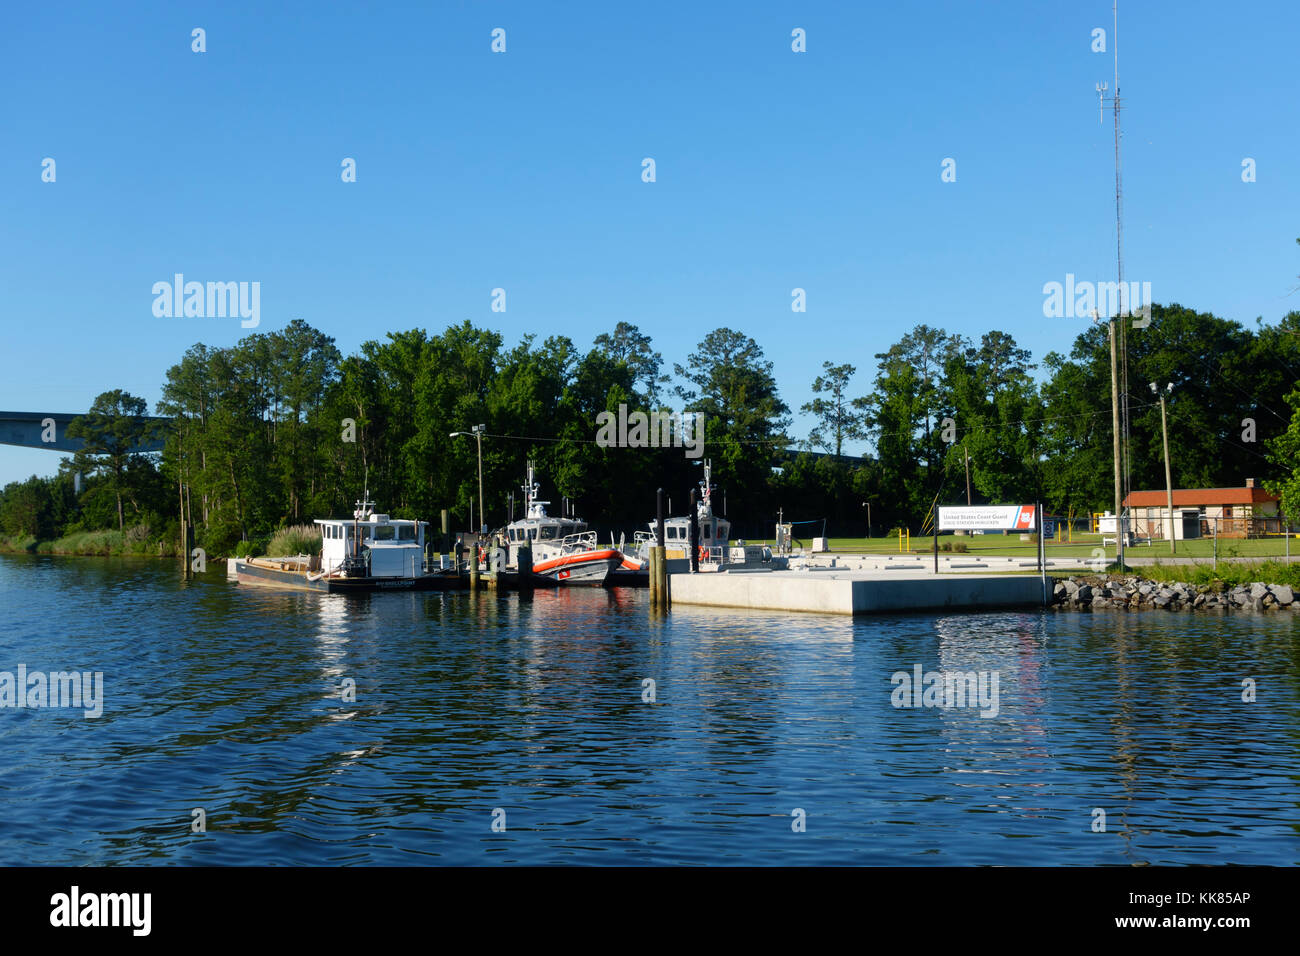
966 454
1169 485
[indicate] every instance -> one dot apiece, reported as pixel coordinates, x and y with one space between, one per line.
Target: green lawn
1081 546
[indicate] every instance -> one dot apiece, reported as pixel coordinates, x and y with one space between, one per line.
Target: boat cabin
714 532
543 528
394 547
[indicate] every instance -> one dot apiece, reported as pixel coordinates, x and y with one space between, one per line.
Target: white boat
367 552
563 548
714 548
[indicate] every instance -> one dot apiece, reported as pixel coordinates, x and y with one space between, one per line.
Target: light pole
867 505
1169 485
477 433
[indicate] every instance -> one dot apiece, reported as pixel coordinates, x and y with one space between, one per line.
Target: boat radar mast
365 507
534 507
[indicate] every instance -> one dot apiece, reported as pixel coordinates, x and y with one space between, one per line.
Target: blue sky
522 170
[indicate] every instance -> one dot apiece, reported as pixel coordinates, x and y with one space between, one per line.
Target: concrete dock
834 591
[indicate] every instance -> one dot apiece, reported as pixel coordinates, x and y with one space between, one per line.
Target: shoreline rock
1130 592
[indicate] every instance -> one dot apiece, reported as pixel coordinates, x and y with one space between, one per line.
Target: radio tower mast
1119 326
1125 308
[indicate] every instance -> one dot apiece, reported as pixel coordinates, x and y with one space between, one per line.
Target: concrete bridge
32 429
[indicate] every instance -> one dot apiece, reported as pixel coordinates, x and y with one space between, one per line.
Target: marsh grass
295 539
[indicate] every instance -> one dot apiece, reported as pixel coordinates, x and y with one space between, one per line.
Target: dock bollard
654 577
473 567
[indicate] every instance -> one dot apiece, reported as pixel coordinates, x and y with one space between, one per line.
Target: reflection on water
236 700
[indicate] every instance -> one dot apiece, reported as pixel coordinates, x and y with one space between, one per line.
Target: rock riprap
1130 592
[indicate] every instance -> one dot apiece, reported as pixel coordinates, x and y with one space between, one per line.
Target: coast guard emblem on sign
1025 519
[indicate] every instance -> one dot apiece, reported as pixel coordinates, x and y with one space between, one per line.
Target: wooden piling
524 561
661 585
658 565
659 597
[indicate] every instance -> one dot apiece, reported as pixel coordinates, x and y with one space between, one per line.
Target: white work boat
562 548
368 552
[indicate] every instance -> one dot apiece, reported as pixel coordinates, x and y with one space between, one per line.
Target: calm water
229 699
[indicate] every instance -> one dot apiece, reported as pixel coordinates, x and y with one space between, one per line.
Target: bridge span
49 430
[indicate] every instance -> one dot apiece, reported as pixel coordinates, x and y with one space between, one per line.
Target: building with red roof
1245 512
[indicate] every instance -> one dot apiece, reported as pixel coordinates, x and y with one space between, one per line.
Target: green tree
629 345
998 414
1284 453
112 433
839 418
729 380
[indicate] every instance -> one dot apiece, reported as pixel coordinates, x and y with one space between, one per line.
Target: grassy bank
96 543
1078 546
1266 572
15 544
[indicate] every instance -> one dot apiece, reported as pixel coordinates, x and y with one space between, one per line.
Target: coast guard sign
987 518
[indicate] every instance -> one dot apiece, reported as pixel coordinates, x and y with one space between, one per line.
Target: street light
1169 486
477 433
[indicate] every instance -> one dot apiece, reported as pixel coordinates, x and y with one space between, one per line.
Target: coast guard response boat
563 548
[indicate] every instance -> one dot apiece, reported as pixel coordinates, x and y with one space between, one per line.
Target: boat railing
582 541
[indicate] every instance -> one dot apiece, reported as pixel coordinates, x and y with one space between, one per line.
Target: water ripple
468 708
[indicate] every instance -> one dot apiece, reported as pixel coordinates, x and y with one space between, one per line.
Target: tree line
281 428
